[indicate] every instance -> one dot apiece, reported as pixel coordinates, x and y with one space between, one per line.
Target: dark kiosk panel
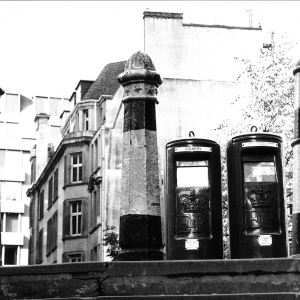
193 200
257 208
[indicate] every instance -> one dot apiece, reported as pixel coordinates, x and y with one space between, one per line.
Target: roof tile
107 82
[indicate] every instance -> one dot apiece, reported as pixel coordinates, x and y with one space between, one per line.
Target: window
76 167
12 103
10 190
54 106
10 255
13 160
10 222
73 257
192 173
41 205
259 172
40 246
76 218
2 159
52 233
96 154
95 206
32 212
55 184
85 120
50 189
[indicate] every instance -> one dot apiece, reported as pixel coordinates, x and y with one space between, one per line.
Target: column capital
139 69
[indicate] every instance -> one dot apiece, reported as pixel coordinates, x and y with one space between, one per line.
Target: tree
111 240
269 107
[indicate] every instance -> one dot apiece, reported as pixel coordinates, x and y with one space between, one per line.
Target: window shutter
66 220
85 216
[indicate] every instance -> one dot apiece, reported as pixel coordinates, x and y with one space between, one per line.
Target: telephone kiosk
257 207
193 203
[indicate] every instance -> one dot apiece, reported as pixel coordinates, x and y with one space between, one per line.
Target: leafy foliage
111 240
269 107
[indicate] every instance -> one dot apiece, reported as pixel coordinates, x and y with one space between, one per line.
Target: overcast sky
47 47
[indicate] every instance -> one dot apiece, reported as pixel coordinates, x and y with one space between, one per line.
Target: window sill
95 228
74 237
75 184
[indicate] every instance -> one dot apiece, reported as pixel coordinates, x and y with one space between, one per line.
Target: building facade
18 135
66 194
75 195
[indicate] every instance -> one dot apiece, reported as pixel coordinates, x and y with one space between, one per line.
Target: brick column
140 218
296 167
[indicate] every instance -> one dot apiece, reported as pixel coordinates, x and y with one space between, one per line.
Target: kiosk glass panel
193 218
260 195
259 172
192 173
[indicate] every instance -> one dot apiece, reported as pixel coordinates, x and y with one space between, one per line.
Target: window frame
50 191
55 185
67 218
86 119
41 204
68 256
78 167
17 258
76 216
52 233
4 222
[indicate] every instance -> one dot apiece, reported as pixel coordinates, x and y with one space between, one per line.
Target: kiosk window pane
192 173
259 172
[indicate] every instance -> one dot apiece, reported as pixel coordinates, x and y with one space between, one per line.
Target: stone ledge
200 279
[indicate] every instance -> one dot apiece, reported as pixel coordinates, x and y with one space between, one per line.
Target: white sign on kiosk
265 240
191 244
260 144
193 149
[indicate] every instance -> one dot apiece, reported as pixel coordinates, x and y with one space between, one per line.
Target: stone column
296 167
140 218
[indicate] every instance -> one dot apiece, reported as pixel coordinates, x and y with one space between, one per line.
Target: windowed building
17 129
65 212
76 187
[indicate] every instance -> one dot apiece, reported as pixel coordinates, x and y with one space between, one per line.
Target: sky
46 47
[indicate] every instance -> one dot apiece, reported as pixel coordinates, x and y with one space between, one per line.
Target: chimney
41 142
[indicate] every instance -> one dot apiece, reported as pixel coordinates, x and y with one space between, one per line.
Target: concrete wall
196 51
262 279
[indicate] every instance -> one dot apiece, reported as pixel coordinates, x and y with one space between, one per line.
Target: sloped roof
107 82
